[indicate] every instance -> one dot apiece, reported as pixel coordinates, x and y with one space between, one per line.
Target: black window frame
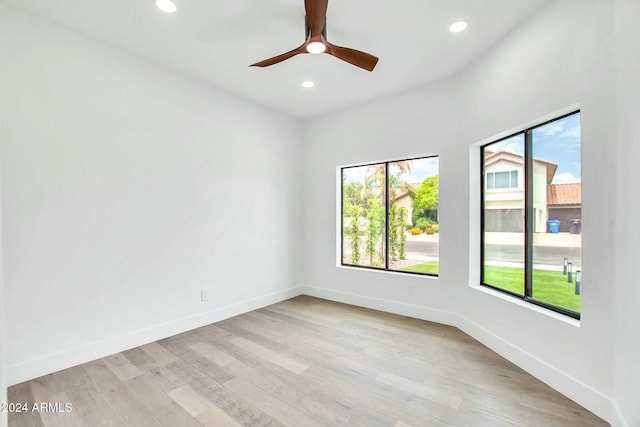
529 219
385 268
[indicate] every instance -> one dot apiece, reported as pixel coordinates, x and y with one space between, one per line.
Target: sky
557 142
420 169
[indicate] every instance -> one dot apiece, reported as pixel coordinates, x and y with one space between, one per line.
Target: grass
548 286
430 267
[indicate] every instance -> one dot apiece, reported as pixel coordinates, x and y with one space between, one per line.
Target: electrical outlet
412 289
204 295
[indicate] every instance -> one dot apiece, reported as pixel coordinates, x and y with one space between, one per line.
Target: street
542 255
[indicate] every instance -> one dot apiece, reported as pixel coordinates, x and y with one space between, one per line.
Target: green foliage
427 196
429 267
402 224
548 286
375 228
351 194
393 232
432 229
364 215
427 200
354 233
422 223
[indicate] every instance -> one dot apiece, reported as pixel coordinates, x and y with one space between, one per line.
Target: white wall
3 373
124 194
126 190
627 344
562 56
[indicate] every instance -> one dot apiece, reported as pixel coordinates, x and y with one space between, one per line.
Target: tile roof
564 194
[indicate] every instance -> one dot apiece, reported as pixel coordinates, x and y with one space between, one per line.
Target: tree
402 224
375 179
352 194
354 233
375 217
393 232
427 198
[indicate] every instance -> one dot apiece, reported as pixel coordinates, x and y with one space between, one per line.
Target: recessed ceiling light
308 84
316 47
166 5
456 27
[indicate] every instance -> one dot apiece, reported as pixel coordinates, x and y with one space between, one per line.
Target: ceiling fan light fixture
316 42
166 6
316 47
459 26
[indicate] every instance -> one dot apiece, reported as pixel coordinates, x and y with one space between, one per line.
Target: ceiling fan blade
316 15
352 56
280 58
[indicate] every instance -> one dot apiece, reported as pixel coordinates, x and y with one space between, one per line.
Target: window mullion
388 210
529 215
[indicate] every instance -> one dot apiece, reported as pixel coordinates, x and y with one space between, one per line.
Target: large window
531 233
390 216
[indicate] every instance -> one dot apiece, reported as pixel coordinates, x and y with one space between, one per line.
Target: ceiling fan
316 42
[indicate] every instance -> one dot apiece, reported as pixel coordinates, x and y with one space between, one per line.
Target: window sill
393 272
529 306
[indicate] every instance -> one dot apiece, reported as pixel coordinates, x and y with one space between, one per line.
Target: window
531 234
390 216
497 180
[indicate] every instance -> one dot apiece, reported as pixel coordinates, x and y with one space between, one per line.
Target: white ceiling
216 40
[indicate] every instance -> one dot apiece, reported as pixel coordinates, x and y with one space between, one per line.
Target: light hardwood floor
304 362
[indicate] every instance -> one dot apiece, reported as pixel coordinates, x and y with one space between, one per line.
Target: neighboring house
564 202
404 200
504 194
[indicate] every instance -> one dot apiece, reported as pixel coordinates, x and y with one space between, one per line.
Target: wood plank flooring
303 362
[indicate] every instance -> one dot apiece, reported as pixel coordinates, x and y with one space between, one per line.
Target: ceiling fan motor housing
307 30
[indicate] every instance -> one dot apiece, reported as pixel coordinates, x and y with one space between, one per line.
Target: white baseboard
593 400
617 417
35 368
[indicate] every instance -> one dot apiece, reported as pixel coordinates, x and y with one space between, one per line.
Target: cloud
423 168
571 133
552 128
565 178
567 128
514 144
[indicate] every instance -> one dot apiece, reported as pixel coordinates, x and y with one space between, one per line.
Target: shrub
422 223
432 229
415 231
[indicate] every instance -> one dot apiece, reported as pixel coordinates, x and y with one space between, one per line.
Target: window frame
385 267
529 219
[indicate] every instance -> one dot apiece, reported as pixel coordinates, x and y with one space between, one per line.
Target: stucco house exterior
504 194
404 200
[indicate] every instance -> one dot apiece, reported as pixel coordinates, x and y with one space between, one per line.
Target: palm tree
375 180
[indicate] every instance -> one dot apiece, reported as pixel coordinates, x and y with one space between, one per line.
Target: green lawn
430 267
548 286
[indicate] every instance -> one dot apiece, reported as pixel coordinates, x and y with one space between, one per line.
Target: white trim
35 368
527 305
617 417
566 384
